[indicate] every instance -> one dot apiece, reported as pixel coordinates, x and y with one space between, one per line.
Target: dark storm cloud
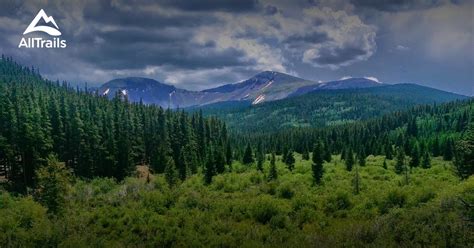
107 12
200 44
212 5
137 55
397 5
133 36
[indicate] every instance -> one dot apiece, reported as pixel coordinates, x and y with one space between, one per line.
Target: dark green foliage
209 168
228 154
349 160
290 160
94 136
317 165
171 174
305 154
426 161
284 153
448 152
384 163
400 163
415 155
388 151
377 136
327 154
219 160
361 157
464 161
248 155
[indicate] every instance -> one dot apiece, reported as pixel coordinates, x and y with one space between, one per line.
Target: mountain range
263 87
321 108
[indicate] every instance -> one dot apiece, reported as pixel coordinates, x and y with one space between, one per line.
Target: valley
389 165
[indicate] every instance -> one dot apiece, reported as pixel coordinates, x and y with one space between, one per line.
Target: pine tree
400 164
415 155
290 160
210 169
464 160
228 154
361 157
435 147
412 129
305 154
448 150
426 161
349 160
326 153
53 181
272 174
183 165
219 160
248 155
285 152
388 151
317 165
384 164
171 174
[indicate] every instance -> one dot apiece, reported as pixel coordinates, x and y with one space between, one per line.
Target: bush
338 202
264 208
395 198
286 191
23 223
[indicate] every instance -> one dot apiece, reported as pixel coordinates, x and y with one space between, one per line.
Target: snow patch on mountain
259 99
373 79
268 84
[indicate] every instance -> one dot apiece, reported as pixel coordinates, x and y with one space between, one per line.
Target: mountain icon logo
48 19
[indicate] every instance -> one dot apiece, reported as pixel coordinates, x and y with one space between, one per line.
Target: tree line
96 137
420 133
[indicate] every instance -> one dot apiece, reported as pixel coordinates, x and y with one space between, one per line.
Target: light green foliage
240 208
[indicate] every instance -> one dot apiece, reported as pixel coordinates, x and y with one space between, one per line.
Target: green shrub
264 208
340 201
395 198
279 221
23 223
286 191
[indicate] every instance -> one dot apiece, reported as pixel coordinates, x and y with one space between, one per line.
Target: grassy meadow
241 208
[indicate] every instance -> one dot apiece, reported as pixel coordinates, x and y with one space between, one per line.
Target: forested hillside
326 108
426 130
95 137
80 170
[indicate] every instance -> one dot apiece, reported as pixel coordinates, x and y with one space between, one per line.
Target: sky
199 44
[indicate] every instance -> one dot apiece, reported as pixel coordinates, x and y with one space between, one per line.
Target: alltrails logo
38 42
